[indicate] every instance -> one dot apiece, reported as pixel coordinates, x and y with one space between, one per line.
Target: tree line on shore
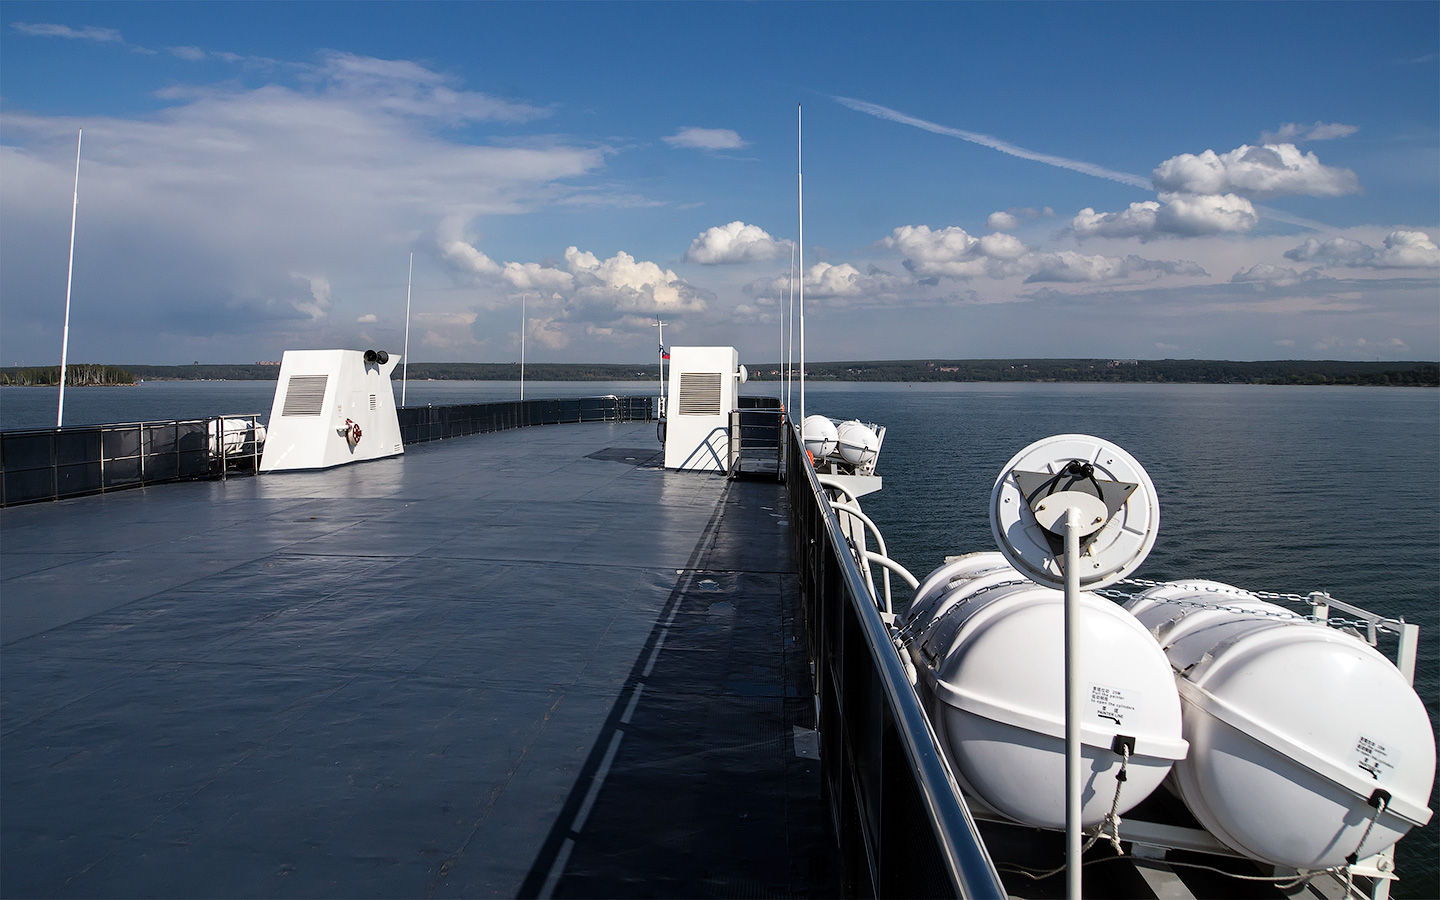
78 375
1162 371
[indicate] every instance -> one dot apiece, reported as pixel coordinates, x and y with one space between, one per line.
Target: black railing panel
757 440
902 828
48 464
421 424
52 463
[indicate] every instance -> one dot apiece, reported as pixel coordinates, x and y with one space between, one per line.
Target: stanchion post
1073 701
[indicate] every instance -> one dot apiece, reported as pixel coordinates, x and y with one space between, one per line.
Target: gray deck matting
379 680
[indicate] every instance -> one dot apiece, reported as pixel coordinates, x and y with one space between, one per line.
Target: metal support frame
903 828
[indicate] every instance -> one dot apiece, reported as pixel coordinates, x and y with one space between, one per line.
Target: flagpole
800 202
405 356
790 335
522 347
661 325
69 281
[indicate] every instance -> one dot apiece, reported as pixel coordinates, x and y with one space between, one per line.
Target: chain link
1131 588
1141 584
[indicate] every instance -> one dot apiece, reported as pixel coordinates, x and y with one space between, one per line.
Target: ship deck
530 663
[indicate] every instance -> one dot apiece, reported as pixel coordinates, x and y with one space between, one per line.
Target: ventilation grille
305 395
700 393
372 401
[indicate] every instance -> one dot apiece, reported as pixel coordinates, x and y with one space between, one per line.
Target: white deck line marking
655 654
597 782
556 870
634 702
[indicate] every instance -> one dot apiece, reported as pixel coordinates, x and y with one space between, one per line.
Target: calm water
34 407
1287 489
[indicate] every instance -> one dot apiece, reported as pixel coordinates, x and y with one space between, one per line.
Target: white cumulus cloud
735 243
230 188
1002 221
1263 171
952 252
628 285
1138 220
706 139
1274 276
1291 132
837 285
1401 250
1068 266
1174 215
318 306
580 296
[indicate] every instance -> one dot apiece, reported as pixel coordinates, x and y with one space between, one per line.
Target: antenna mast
788 351
800 202
405 356
658 323
69 280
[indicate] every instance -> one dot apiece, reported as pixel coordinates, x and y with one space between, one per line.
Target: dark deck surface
520 664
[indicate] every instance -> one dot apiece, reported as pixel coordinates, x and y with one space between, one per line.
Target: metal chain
1286 615
1133 587
907 632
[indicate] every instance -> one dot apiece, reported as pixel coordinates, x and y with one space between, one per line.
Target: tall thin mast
69 280
405 356
790 333
522 346
800 202
780 317
658 323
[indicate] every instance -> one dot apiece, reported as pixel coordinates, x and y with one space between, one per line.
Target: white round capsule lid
1122 540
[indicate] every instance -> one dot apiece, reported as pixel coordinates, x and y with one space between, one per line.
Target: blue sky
1227 180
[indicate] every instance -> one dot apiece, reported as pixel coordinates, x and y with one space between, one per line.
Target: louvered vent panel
305 395
372 401
700 393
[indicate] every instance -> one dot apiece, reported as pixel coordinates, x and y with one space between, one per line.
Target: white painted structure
332 407
703 391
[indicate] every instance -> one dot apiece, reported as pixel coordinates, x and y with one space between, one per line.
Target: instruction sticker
1110 704
1374 758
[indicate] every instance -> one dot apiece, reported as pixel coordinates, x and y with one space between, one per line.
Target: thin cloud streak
994 143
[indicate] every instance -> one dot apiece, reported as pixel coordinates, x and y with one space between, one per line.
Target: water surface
1287 489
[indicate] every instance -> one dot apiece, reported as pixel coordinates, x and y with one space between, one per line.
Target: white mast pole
659 323
1074 697
522 346
790 335
69 280
800 198
405 356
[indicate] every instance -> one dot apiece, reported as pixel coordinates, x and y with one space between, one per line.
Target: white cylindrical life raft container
859 445
1297 731
819 436
990 657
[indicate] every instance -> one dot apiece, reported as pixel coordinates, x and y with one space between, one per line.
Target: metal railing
419 424
757 440
53 463
902 827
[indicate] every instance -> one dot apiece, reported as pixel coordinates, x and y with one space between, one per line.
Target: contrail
995 143
1074 165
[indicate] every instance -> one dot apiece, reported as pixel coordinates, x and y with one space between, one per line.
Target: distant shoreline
1129 371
